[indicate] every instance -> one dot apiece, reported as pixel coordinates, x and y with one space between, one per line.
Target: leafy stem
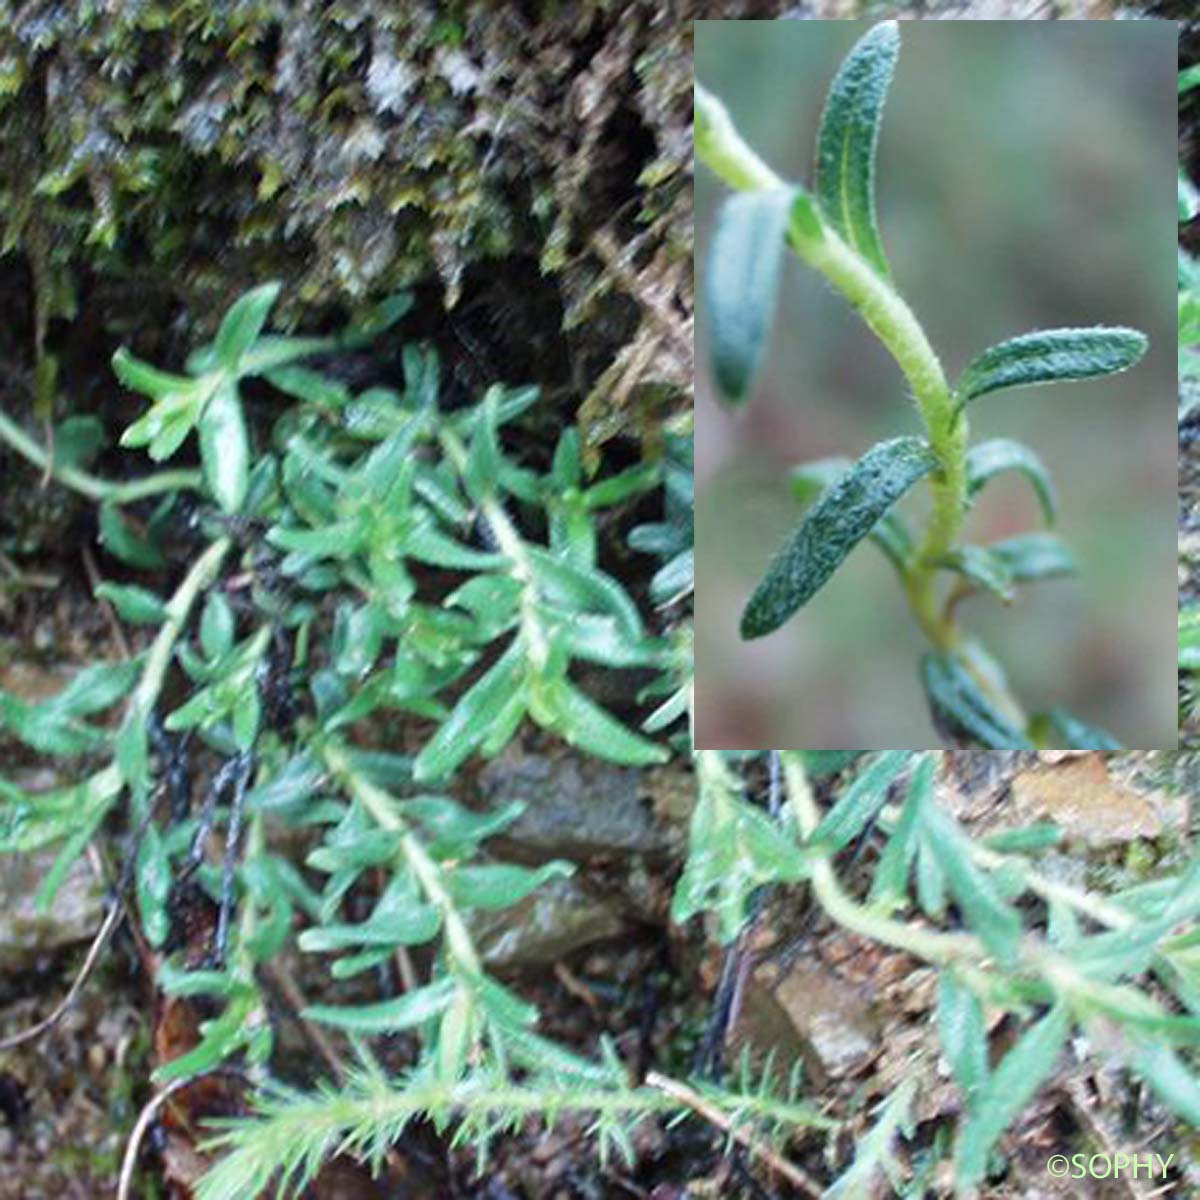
91 486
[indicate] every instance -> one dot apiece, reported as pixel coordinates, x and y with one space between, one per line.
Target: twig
95 950
286 982
714 1116
143 1123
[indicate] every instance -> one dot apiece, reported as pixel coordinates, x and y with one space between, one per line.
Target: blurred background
1024 180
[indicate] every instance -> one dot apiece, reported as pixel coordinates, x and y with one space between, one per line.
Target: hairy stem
719 145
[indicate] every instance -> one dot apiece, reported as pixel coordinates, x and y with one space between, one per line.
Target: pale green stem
100 490
382 807
719 145
513 548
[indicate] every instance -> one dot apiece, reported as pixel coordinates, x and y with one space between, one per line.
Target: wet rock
28 937
556 920
574 806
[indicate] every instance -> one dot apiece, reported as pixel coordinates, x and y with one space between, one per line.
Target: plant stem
722 148
99 490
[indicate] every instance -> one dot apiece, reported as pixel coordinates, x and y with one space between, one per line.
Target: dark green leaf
848 136
1012 1085
388 1016
575 587
225 448
891 535
1034 556
122 542
243 323
742 283
1050 355
1058 728
1003 454
839 520
890 884
77 440
960 706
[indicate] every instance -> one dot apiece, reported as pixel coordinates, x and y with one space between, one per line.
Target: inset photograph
935 369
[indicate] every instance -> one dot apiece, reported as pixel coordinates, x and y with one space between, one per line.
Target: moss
354 147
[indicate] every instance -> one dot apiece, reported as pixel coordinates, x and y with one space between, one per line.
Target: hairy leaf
860 802
848 137
388 1016
1012 1085
840 519
1051 355
963 1033
981 567
960 707
1034 556
990 458
742 282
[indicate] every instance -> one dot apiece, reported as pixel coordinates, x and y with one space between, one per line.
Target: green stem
99 490
719 145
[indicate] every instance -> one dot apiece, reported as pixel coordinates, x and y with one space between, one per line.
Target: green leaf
848 136
1034 556
225 448
891 535
153 886
243 323
960 707
133 604
120 540
963 1033
583 723
1012 1085
860 802
575 587
1051 355
216 626
981 567
890 885
997 923
1189 79
77 441
1168 1077
150 381
388 1016
840 519
1058 728
990 458
742 283
497 885
471 718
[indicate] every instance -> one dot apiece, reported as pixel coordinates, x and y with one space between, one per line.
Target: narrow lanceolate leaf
846 143
742 283
1050 355
243 323
989 459
1034 556
961 709
891 535
225 448
860 802
388 1016
962 1032
839 520
1058 728
1012 1085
